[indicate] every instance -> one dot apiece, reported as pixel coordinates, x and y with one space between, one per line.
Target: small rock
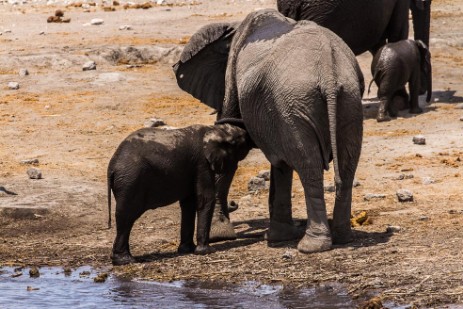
159 2
404 195
393 229
256 184
329 188
85 273
23 72
423 218
419 140
404 176
125 27
461 118
154 122
428 180
372 196
34 173
131 66
265 174
459 106
356 183
168 128
88 66
42 33
67 270
34 272
100 278
30 161
59 13
96 21
374 303
13 85
288 255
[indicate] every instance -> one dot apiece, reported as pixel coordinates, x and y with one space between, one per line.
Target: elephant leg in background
221 228
421 20
124 222
281 226
414 87
187 228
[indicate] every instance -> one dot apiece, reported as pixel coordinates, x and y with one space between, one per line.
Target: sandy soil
73 120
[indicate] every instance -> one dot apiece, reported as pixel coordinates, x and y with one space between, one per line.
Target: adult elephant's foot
342 236
314 243
122 259
279 231
416 110
221 229
202 250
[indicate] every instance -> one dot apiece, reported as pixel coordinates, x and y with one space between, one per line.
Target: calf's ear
426 67
213 145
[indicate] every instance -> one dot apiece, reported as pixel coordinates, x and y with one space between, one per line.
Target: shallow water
53 289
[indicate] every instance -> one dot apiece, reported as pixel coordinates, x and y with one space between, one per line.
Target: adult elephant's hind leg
349 147
317 236
281 221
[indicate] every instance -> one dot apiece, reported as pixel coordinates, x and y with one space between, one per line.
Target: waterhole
55 288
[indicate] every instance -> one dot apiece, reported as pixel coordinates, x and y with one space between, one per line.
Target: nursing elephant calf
297 88
153 168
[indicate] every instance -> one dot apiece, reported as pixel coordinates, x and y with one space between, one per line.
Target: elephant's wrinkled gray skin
399 63
298 89
153 168
365 25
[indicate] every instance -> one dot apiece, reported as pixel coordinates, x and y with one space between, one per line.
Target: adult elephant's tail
331 94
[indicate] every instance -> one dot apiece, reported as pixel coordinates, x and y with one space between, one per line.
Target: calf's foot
122 259
416 110
186 248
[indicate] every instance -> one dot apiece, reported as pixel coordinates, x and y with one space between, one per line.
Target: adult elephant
297 88
365 25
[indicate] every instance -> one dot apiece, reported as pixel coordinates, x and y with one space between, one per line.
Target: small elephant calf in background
393 66
153 168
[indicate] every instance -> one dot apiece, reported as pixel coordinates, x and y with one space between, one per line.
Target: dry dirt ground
73 120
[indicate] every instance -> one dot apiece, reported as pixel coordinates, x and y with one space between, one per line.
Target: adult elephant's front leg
221 228
281 220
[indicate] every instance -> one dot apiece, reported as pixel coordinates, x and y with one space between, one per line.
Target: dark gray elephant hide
298 89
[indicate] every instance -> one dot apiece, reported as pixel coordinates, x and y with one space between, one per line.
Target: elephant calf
393 66
153 168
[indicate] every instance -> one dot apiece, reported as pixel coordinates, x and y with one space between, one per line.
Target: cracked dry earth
72 121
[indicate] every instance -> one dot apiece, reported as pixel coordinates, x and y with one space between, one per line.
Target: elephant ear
203 62
426 66
225 145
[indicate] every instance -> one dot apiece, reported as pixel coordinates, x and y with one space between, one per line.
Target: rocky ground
72 120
